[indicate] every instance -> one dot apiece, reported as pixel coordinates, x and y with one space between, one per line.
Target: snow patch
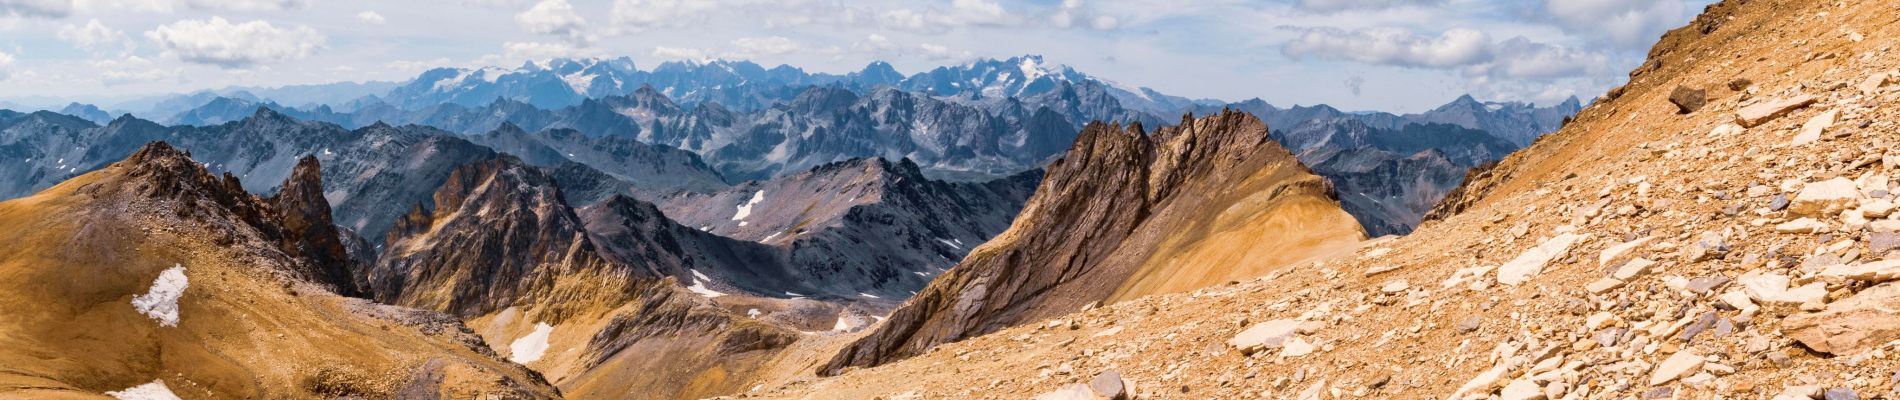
949 243
701 276
161 302
150 391
754 313
745 210
768 238
529 348
867 295
699 286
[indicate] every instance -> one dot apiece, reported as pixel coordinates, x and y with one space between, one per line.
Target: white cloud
758 46
36 8
94 36
134 69
1469 51
554 17
1392 46
245 5
371 17
1073 13
103 6
678 53
6 66
535 51
222 43
637 15
1339 5
1622 22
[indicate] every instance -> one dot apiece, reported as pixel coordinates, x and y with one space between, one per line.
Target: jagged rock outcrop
195 288
500 233
1126 214
309 233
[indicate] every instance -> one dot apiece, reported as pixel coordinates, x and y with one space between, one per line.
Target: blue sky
1391 55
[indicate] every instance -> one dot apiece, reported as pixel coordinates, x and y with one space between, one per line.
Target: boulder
1860 322
1763 112
1825 198
1688 100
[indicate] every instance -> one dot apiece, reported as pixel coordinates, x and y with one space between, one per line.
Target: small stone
1522 389
1603 285
1739 84
1763 112
1621 251
1706 283
1071 392
1470 324
1802 226
1108 385
1812 130
1296 347
1632 269
1676 366
1780 202
1879 243
1688 100
1395 286
1872 85
1840 393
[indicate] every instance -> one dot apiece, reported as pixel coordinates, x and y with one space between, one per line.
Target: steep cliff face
308 231
500 233
868 230
1127 214
195 287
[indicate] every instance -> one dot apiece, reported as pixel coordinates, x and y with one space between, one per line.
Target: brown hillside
1741 250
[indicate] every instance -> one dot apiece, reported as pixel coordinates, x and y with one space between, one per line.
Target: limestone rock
1812 130
1863 321
1621 251
1676 366
1532 262
1877 272
1633 269
1802 225
1763 112
1825 198
1872 85
1109 385
1266 335
1071 392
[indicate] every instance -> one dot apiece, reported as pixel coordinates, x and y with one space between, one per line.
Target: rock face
1126 214
234 277
1851 325
869 226
658 170
500 233
305 217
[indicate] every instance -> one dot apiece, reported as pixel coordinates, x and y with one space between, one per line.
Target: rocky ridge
1638 253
